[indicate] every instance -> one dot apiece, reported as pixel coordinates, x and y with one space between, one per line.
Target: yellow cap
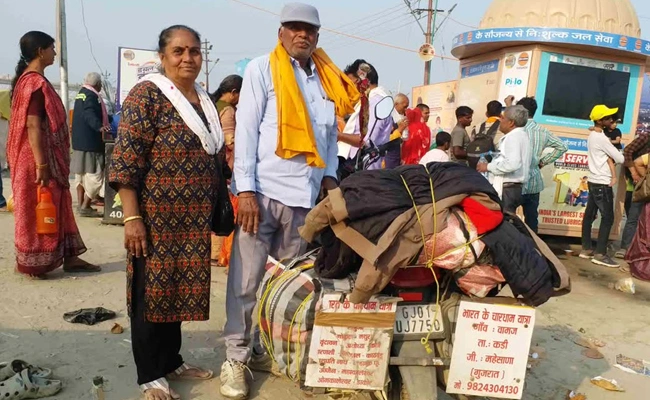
601 111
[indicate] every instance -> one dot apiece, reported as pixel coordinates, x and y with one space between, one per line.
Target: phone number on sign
490 388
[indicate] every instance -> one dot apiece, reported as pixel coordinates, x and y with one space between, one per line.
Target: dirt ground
32 328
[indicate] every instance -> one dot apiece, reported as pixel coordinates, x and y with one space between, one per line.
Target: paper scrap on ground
632 365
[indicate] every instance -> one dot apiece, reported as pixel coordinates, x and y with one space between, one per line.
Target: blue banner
480 69
554 35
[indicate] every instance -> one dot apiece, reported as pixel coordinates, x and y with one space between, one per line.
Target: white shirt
345 150
257 168
513 163
435 155
600 149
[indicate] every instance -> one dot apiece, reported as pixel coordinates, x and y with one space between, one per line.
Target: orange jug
46 223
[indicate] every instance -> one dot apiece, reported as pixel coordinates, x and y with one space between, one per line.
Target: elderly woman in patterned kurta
164 167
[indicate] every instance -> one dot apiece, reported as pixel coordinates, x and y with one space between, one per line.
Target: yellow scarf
295 131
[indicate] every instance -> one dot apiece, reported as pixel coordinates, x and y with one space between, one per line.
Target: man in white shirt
601 195
513 163
441 152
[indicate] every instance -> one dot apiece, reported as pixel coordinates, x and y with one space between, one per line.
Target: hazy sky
237 32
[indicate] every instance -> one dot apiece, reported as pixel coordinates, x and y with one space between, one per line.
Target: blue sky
237 31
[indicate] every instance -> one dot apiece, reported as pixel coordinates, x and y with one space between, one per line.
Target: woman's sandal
181 374
27 386
9 369
81 266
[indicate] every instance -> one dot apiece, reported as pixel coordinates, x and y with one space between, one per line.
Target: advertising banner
515 76
477 87
643 121
133 64
554 35
441 99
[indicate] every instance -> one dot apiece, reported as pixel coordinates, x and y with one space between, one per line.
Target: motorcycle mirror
384 108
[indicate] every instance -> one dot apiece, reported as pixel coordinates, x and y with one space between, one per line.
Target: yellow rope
297 352
425 340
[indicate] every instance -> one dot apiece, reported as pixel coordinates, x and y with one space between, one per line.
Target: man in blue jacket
89 123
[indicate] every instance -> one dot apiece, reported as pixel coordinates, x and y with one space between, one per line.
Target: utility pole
206 47
431 22
61 41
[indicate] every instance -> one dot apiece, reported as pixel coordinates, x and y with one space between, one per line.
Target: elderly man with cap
286 153
601 195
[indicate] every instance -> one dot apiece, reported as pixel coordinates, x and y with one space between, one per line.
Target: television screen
573 90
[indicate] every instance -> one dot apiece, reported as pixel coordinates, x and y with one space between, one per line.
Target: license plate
418 319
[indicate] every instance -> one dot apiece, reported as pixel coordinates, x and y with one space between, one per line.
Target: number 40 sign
490 357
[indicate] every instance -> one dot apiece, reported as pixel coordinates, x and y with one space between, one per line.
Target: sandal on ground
160 385
9 369
181 374
81 267
25 386
89 213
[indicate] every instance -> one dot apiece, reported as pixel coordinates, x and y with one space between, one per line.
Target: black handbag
223 214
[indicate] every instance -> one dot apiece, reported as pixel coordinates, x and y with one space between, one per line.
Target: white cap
300 12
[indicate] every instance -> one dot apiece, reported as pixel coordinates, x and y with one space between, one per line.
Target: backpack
483 142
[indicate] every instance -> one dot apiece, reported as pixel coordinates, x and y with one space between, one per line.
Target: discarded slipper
24 386
9 369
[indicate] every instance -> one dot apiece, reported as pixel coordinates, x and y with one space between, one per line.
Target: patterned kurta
156 153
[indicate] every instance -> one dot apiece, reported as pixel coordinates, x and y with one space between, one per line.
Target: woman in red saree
38 152
419 140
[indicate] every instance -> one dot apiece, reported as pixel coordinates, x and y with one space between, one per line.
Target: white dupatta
212 139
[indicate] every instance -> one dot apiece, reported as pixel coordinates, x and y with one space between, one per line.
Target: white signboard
490 357
515 76
350 343
133 64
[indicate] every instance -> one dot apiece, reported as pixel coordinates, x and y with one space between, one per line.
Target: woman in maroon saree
38 152
638 255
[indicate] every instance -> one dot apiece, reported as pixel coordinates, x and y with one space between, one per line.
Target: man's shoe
605 261
263 363
233 380
586 254
621 253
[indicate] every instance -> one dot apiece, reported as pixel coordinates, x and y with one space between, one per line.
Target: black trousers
512 197
156 346
601 199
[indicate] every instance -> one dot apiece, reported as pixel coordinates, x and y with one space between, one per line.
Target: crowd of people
277 136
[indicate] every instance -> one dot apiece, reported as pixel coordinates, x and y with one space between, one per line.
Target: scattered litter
593 354
571 395
582 330
98 388
632 365
607 384
89 316
537 352
117 329
204 353
9 335
120 366
625 285
589 343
